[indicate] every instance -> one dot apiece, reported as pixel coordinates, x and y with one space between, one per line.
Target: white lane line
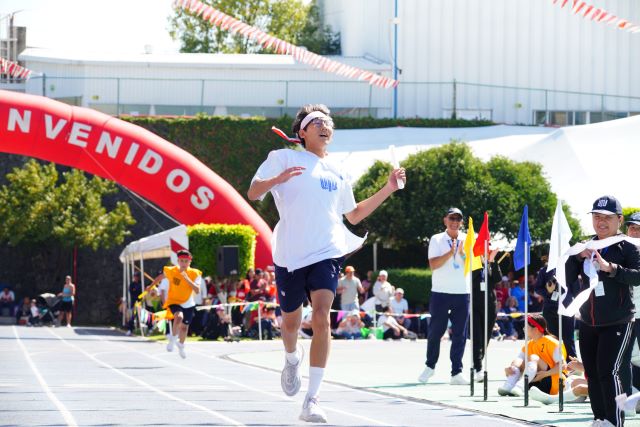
149 386
63 410
253 389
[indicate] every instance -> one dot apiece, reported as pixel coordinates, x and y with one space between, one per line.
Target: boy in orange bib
184 281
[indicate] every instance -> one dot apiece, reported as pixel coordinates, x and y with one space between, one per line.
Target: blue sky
96 25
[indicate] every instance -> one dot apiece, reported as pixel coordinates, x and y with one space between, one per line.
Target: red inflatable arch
85 139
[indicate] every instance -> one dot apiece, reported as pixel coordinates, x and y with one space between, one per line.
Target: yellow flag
469 242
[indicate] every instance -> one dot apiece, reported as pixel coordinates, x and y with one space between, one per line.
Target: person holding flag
606 317
449 297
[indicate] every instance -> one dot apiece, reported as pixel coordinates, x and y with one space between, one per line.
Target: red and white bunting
599 15
226 22
13 70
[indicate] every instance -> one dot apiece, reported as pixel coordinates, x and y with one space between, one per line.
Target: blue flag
523 236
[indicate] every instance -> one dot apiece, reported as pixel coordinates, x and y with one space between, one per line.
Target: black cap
607 205
634 219
454 211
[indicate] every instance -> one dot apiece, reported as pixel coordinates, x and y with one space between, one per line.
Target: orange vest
179 290
545 348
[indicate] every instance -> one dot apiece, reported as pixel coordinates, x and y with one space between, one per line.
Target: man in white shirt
312 194
399 305
449 297
382 291
348 288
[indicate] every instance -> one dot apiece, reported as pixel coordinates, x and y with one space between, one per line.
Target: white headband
311 116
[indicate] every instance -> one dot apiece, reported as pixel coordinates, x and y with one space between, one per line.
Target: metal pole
260 321
142 286
370 97
395 58
375 257
546 108
286 96
454 113
471 370
202 96
44 84
526 335
124 292
486 316
118 97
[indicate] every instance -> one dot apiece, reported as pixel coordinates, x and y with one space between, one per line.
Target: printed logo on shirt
328 184
176 281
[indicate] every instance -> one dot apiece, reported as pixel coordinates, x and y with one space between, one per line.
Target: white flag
560 237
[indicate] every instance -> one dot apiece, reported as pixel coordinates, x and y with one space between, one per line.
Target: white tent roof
156 245
581 162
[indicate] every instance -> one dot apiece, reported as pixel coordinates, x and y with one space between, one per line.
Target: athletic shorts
544 385
66 306
294 287
187 313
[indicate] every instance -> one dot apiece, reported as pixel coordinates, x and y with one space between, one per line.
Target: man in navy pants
449 297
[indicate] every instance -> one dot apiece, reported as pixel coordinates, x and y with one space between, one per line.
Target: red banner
13 70
599 15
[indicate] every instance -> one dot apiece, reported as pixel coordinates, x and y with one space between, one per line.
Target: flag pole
560 379
471 370
486 317
526 335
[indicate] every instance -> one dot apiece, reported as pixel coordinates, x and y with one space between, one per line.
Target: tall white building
513 60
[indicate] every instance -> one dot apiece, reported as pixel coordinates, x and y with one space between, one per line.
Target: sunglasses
455 218
321 122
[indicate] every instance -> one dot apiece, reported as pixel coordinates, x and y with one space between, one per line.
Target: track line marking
149 386
63 409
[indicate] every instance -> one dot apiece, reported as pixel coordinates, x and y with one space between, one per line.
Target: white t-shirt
311 208
191 302
350 292
399 307
383 292
385 321
448 279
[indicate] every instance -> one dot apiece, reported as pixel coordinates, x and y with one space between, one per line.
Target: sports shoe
128 333
458 379
68 325
311 411
291 380
181 350
538 395
478 377
171 343
426 374
507 389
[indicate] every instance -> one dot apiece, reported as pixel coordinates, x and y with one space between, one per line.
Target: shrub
204 240
416 283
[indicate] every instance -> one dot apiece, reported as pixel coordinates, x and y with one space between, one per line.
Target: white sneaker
181 350
478 377
510 389
68 325
538 395
311 411
606 423
171 343
128 333
596 423
426 374
459 379
290 379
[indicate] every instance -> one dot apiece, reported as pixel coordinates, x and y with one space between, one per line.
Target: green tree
452 176
289 20
36 208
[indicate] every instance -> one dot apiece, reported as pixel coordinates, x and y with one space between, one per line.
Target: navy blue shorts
187 313
294 287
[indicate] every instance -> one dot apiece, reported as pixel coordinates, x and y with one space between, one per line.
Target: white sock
293 357
531 370
315 380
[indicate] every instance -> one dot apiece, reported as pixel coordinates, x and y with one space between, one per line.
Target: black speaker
227 261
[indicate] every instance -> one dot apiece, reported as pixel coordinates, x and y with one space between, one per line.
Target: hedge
416 283
204 240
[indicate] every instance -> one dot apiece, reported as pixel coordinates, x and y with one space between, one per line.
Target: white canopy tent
161 245
580 162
